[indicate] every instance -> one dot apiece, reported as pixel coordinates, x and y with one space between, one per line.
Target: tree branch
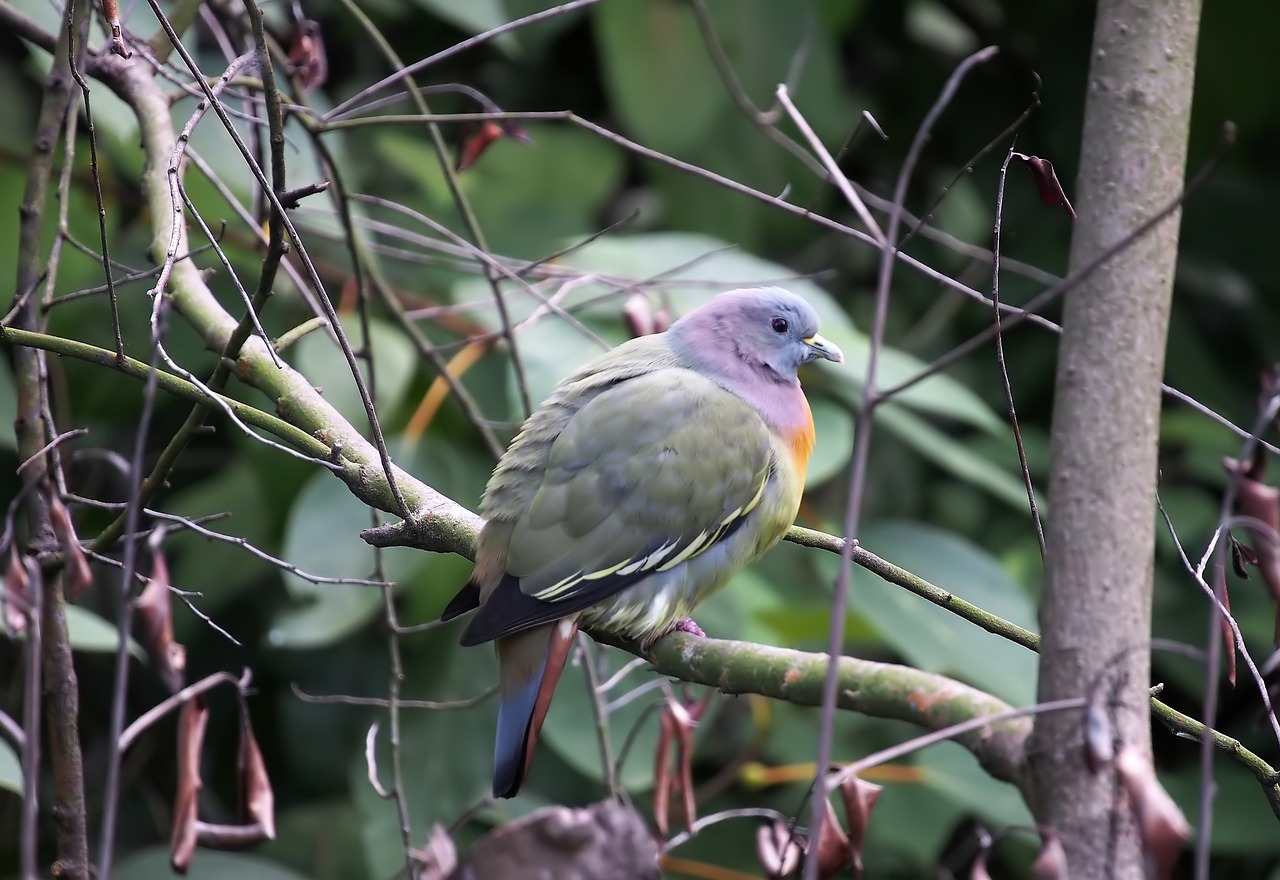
883 690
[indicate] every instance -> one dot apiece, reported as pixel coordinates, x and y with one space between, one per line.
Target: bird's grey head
767 329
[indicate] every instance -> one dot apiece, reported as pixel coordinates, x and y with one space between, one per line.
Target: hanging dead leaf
438 858
78 573
16 594
1161 824
1046 181
860 799
192 721
259 800
155 619
476 139
778 848
1051 864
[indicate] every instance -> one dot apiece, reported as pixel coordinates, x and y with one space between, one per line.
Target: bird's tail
529 665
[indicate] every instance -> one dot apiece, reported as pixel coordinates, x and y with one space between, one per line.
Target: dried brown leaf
16 594
155 617
662 781
192 722
438 858
1046 181
860 799
259 800
1099 738
1161 824
979 870
832 850
78 574
637 312
777 849
307 55
479 138
1260 503
1051 864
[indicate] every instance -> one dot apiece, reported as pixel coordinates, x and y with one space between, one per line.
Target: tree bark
1101 531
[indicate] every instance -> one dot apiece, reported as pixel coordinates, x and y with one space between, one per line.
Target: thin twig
901 750
1060 287
95 173
1004 367
715 819
469 219
833 170
29 834
862 444
346 107
181 698
599 712
380 703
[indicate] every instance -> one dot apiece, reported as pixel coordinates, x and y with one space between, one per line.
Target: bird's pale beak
821 348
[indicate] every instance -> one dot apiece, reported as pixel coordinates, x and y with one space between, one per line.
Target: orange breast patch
801 441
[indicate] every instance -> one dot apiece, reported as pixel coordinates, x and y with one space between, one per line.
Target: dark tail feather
524 704
466 599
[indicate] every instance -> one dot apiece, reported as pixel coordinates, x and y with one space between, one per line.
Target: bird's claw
688 625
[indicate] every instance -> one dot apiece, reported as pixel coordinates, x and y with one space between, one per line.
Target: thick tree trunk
1101 529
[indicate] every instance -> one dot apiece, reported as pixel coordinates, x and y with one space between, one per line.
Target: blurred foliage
945 497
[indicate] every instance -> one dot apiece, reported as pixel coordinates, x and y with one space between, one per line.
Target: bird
644 482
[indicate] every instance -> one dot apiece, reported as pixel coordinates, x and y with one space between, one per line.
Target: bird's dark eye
779 325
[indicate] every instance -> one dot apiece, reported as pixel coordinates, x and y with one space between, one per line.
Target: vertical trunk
1101 534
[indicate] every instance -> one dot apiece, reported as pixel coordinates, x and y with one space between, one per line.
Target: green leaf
957 457
930 637
218 570
322 537
395 360
318 838
89 632
953 771
207 864
657 72
8 408
473 16
833 425
10 768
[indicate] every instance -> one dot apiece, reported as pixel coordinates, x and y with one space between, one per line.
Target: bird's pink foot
687 625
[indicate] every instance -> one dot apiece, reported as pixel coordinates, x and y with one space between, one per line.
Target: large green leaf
10 768
930 637
833 425
207 864
221 571
322 538
89 632
658 74
8 405
472 16
955 456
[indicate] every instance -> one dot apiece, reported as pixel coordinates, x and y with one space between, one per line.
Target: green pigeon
647 480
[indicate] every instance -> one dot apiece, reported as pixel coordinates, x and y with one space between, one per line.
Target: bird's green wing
649 473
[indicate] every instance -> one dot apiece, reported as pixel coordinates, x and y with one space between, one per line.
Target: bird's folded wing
649 474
